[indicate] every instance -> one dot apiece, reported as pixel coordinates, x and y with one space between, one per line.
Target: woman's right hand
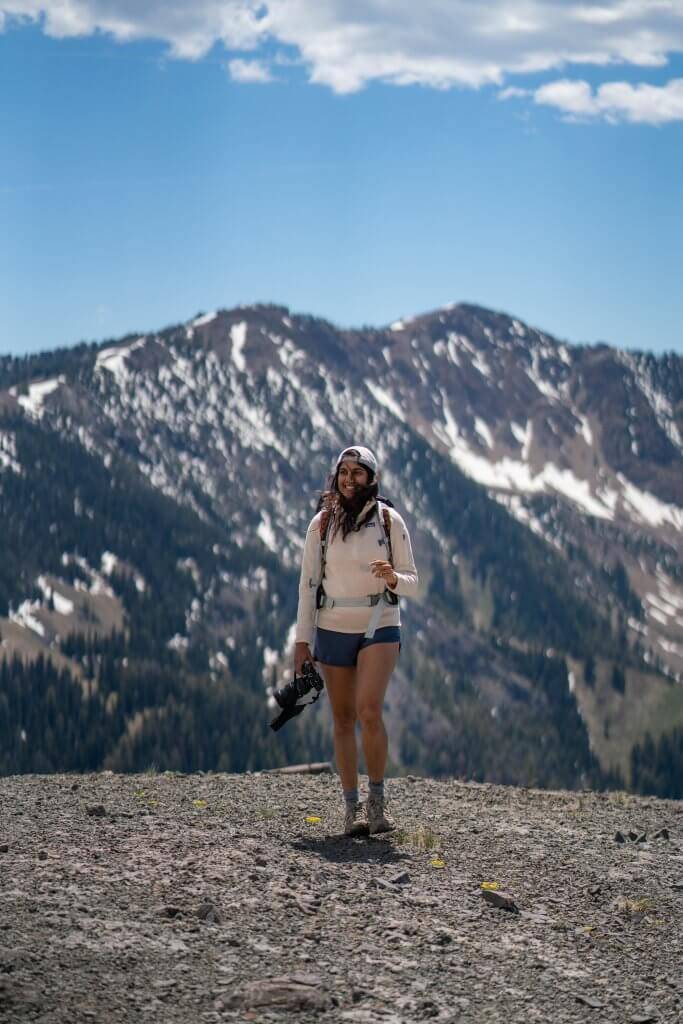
302 653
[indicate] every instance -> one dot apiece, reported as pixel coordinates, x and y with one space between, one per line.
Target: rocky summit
215 897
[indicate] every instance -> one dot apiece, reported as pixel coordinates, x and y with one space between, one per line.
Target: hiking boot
379 819
354 823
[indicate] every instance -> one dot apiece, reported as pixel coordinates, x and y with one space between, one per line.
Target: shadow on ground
343 849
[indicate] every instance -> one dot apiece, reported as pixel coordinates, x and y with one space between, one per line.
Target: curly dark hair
345 511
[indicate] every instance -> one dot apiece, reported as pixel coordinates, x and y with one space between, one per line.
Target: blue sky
148 177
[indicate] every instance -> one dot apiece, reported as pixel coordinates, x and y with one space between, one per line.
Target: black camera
300 691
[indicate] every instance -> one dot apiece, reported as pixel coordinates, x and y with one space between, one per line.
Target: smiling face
351 477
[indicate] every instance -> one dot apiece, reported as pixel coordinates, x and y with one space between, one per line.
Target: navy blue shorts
332 648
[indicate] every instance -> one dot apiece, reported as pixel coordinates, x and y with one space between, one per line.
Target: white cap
359 454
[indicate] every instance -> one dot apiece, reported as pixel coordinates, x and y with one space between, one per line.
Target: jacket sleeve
308 583
404 564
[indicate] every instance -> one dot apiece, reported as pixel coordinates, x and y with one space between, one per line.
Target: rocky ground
202 898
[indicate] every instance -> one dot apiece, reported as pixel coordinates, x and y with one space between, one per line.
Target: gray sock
351 795
377 789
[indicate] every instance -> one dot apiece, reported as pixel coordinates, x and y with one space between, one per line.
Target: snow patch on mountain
448 348
666 589
482 428
523 435
32 403
480 364
114 359
513 475
662 606
265 531
62 605
517 328
178 643
109 562
670 647
24 616
648 508
536 377
585 428
238 336
206 318
96 585
448 432
8 452
386 399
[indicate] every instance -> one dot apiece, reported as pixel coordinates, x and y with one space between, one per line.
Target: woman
357 559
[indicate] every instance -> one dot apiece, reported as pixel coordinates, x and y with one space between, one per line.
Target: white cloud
189 29
572 97
514 93
249 71
616 101
345 44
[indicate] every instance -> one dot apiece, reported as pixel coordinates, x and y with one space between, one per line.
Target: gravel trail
210 897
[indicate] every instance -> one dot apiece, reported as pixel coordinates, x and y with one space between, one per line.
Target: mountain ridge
526 468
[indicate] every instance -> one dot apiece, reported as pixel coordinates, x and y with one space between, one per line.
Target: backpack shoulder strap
325 518
386 521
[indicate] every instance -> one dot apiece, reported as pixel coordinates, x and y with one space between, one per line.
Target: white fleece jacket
348 574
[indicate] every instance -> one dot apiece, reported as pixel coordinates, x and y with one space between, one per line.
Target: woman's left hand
384 570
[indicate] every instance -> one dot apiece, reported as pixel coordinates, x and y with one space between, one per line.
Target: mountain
156 491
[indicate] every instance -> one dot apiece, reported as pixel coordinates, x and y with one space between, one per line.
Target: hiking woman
357 560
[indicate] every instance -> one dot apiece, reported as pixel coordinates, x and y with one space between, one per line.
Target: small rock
501 900
74 786
96 811
427 1008
42 854
171 911
663 833
208 912
4 847
316 768
290 992
619 837
307 904
642 1018
381 883
400 879
594 1004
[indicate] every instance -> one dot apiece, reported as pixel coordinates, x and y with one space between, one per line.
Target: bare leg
341 689
375 665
